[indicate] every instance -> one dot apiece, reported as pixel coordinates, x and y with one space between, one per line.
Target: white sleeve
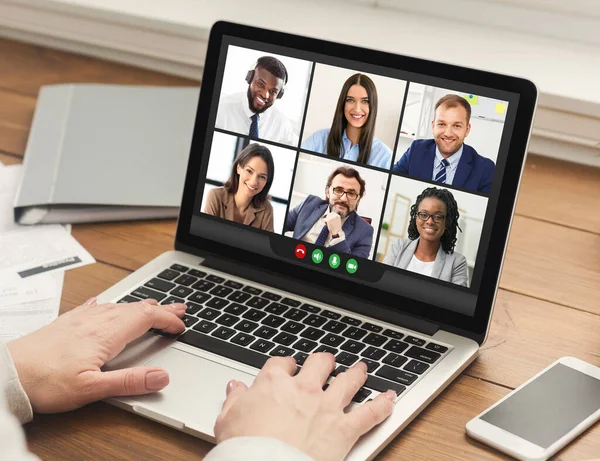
255 449
12 438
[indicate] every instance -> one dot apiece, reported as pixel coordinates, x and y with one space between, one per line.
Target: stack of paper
32 264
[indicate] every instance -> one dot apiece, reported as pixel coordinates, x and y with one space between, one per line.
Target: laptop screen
380 176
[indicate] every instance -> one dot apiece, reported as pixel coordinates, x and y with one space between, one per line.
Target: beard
342 213
251 103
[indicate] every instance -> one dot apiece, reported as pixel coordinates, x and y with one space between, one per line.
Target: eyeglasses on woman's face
424 216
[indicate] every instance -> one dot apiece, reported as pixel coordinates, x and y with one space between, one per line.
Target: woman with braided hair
429 248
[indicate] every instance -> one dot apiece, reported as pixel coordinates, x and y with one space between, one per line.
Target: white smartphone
543 415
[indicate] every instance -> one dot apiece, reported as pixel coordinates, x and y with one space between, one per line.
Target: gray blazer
447 267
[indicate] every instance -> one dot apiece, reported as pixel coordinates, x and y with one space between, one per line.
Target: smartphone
543 415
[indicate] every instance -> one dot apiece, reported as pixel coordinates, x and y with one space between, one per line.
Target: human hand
334 223
59 364
295 409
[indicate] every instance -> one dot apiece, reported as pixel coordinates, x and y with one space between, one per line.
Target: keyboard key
221 291
223 332
417 367
371 327
291 302
414 340
254 315
199 297
346 358
168 274
257 302
305 345
282 351
239 296
383 385
295 314
332 340
393 334
300 358
315 321
395 346
293 327
371 364
172 300
273 321
242 339
373 353
196 273
285 338
352 346
192 308
128 299
185 279
338 370
423 355
217 303
310 308
147 293
246 326
276 308
399 376
361 395
395 360
334 327
203 285
251 290
214 278
160 285
436 348
312 333
265 332
375 340
227 319
209 314
189 321
351 321
262 346
330 314
234 285
182 292
205 326
324 348
228 350
271 296
179 267
354 333
236 309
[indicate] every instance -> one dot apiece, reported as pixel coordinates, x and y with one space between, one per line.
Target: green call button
351 266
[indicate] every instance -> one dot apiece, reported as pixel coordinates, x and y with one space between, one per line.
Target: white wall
325 91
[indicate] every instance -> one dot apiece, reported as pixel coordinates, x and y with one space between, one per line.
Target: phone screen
548 407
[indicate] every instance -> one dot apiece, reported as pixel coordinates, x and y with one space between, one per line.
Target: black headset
250 77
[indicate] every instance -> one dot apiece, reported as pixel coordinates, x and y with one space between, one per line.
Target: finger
91 302
317 367
346 384
177 308
277 366
128 381
372 413
154 302
233 392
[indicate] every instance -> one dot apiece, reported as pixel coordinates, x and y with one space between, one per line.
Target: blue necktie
254 126
441 176
322 238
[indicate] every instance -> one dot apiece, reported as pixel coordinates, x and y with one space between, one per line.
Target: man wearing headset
251 113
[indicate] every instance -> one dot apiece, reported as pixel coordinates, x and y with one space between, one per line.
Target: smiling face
450 128
342 205
356 107
253 176
429 229
263 90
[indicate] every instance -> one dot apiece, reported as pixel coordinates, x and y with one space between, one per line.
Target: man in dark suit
445 158
333 222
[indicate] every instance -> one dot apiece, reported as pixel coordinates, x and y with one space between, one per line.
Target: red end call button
300 251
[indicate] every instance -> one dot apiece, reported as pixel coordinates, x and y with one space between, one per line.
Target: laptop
295 237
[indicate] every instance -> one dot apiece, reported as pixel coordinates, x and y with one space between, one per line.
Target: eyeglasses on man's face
424 216
339 192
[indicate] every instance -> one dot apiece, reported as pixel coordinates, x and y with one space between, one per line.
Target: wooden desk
548 305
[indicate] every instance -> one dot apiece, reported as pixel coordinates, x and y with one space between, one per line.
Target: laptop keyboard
248 324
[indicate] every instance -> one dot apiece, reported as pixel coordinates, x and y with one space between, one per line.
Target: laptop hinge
321 294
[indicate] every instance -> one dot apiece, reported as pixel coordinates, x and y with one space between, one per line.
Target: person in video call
429 248
58 368
244 196
446 158
352 132
334 222
253 113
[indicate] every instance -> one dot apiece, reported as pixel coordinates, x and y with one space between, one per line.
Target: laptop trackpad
195 393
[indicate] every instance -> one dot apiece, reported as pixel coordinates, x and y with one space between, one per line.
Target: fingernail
391 395
156 380
231 385
90 301
363 365
181 307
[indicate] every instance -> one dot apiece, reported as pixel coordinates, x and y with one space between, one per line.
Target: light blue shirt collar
453 159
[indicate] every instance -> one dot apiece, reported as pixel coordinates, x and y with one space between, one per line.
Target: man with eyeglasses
333 223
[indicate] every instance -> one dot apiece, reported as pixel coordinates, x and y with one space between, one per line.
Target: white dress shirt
312 235
234 115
